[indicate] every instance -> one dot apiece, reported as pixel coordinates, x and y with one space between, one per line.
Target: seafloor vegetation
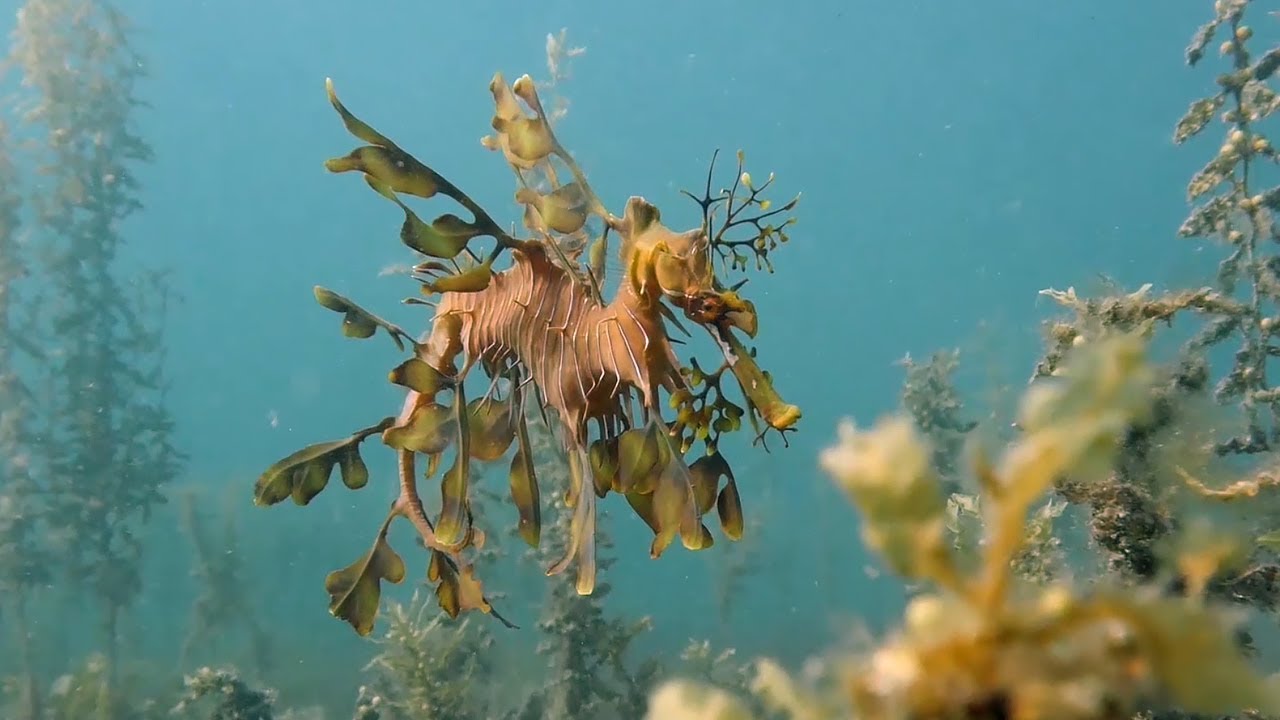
1150 421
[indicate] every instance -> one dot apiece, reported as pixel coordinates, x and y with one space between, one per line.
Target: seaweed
95 686
1233 208
225 697
24 559
106 450
1239 214
930 396
983 644
223 605
742 561
589 672
427 666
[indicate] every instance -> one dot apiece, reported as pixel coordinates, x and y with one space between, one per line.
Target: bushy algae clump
1235 198
1233 206
602 371
931 400
929 395
983 644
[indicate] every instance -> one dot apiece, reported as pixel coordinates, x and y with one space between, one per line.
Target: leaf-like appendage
603 458
1214 173
454 523
492 426
358 322
444 237
705 473
1267 65
354 591
429 429
388 169
1197 117
563 210
458 589
306 472
524 487
473 279
355 125
420 377
675 501
729 507
393 169
524 140
1207 219
642 505
755 384
1202 38
639 460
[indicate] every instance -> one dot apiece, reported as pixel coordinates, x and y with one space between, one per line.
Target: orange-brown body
584 357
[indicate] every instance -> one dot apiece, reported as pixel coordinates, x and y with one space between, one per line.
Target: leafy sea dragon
544 335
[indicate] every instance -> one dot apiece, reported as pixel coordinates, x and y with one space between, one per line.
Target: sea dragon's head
678 267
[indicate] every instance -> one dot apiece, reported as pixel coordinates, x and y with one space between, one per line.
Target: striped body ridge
582 355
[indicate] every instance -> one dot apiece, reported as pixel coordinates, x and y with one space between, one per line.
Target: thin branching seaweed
107 431
589 672
1234 206
24 559
224 604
